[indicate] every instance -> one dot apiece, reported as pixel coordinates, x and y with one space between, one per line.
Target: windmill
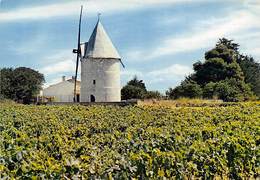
100 67
78 52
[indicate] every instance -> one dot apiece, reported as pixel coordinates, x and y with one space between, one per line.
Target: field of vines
133 142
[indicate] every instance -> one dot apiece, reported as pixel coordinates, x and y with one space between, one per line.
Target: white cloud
92 7
59 67
128 74
32 45
255 53
58 56
135 55
175 72
249 44
253 6
131 72
44 11
60 62
203 35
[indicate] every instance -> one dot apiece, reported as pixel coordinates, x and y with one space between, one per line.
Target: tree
134 89
153 95
251 70
20 84
220 63
230 90
209 90
188 89
219 75
137 83
132 92
6 83
249 67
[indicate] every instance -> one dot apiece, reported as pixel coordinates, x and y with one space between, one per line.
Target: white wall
62 92
106 72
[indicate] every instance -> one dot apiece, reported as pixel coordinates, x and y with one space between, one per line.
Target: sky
158 40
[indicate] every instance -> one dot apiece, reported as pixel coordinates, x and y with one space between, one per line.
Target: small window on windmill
94 81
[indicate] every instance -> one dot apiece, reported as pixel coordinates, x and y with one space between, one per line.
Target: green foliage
209 90
153 95
228 90
219 76
136 89
76 142
188 89
220 64
6 83
20 84
251 70
137 83
231 90
132 92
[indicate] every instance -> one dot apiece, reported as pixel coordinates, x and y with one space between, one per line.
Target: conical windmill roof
100 45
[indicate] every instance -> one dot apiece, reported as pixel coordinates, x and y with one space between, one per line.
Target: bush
209 90
153 95
136 89
233 90
132 92
186 89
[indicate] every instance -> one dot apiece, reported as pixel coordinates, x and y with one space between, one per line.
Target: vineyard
133 142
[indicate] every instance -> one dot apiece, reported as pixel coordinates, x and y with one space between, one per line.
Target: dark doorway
92 98
77 98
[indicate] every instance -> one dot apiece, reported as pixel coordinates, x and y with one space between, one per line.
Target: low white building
62 91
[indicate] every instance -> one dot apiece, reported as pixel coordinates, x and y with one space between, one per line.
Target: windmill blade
122 63
78 52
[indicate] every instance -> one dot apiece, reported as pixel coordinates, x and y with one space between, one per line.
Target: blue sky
158 40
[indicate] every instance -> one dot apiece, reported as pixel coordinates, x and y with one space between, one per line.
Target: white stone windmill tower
100 68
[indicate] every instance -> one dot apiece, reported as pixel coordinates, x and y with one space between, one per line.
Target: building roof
100 45
71 80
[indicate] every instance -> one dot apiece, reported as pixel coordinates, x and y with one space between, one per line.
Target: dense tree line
251 70
20 84
225 74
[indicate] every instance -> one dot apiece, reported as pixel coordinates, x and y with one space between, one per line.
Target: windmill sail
78 52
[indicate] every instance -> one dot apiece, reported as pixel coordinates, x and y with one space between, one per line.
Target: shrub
186 89
132 92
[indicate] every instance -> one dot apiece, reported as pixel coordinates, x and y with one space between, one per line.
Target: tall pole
78 56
